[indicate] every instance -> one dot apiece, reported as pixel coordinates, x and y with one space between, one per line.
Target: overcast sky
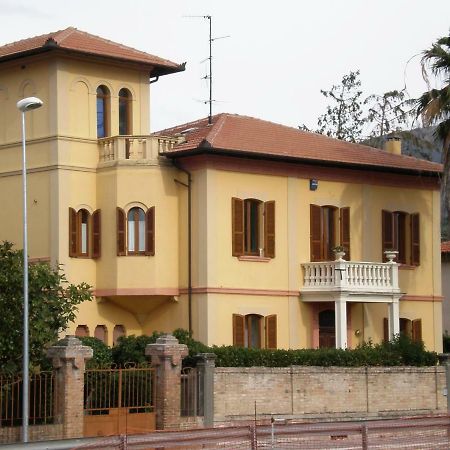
277 58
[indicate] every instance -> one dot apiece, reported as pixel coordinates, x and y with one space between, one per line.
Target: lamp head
29 103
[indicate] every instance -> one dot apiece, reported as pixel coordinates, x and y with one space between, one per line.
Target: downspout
154 80
189 188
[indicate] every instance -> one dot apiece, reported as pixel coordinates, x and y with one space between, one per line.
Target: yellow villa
244 231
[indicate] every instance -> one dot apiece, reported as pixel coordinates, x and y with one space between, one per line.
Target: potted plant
391 254
339 252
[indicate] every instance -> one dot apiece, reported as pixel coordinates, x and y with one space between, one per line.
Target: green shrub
446 342
131 349
102 357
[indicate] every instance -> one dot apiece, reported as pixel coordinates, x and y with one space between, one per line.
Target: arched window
136 230
119 331
125 110
83 224
84 233
102 111
101 333
82 331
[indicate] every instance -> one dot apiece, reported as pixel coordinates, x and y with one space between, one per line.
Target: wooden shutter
387 234
150 232
237 212
315 232
415 239
73 228
96 229
385 330
121 222
269 229
345 230
238 330
271 331
417 330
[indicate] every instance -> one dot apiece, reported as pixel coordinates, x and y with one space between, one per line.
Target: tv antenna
209 76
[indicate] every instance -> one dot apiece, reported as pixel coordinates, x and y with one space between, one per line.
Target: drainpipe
154 80
189 188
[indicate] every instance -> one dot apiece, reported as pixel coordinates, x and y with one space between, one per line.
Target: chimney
393 144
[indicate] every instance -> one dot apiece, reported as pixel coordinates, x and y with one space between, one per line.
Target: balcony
352 277
349 281
134 148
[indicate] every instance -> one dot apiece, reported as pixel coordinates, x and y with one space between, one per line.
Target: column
394 318
166 357
205 366
341 322
69 359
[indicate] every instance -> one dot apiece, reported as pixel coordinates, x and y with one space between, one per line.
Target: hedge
402 351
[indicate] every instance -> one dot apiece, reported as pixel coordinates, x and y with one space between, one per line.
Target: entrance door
327 329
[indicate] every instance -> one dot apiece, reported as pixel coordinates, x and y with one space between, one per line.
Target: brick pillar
69 357
167 355
206 365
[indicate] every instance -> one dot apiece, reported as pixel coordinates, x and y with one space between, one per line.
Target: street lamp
24 105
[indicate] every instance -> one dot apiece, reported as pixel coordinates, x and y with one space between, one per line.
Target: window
103 99
401 232
101 333
119 331
125 112
328 224
82 331
410 328
84 233
253 227
136 232
255 331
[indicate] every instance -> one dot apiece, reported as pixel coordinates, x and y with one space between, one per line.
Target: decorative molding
422 298
254 258
39 259
242 291
406 267
318 170
169 292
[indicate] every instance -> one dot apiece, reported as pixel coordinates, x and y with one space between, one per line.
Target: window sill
254 258
406 267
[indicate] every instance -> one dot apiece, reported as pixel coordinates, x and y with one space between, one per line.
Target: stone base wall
35 433
322 393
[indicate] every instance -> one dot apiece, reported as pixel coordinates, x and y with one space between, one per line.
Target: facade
445 261
224 228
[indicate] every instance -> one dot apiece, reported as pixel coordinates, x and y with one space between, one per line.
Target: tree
344 118
388 112
434 105
53 303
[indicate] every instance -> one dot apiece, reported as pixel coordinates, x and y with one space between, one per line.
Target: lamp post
24 105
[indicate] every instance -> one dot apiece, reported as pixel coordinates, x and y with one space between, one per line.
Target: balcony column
341 322
394 318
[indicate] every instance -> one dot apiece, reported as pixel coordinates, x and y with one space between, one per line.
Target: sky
277 58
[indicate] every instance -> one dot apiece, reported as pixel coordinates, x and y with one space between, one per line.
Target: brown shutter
269 229
121 249
315 232
415 239
238 330
96 229
387 236
417 330
271 331
150 232
237 211
385 330
345 230
72 233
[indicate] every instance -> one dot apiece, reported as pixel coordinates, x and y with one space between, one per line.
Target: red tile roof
81 42
445 247
233 133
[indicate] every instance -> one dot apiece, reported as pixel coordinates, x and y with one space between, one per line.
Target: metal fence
42 399
191 392
420 433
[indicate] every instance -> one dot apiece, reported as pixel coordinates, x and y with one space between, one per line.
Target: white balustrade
350 275
134 147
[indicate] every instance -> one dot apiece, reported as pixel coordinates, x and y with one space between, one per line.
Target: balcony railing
116 148
350 276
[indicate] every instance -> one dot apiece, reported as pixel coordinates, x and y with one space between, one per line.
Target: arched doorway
327 329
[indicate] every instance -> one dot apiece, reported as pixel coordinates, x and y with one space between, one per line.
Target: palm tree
434 105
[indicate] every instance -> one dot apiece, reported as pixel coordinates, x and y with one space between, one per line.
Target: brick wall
327 392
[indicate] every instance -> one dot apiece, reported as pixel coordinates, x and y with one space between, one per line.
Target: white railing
351 276
116 148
